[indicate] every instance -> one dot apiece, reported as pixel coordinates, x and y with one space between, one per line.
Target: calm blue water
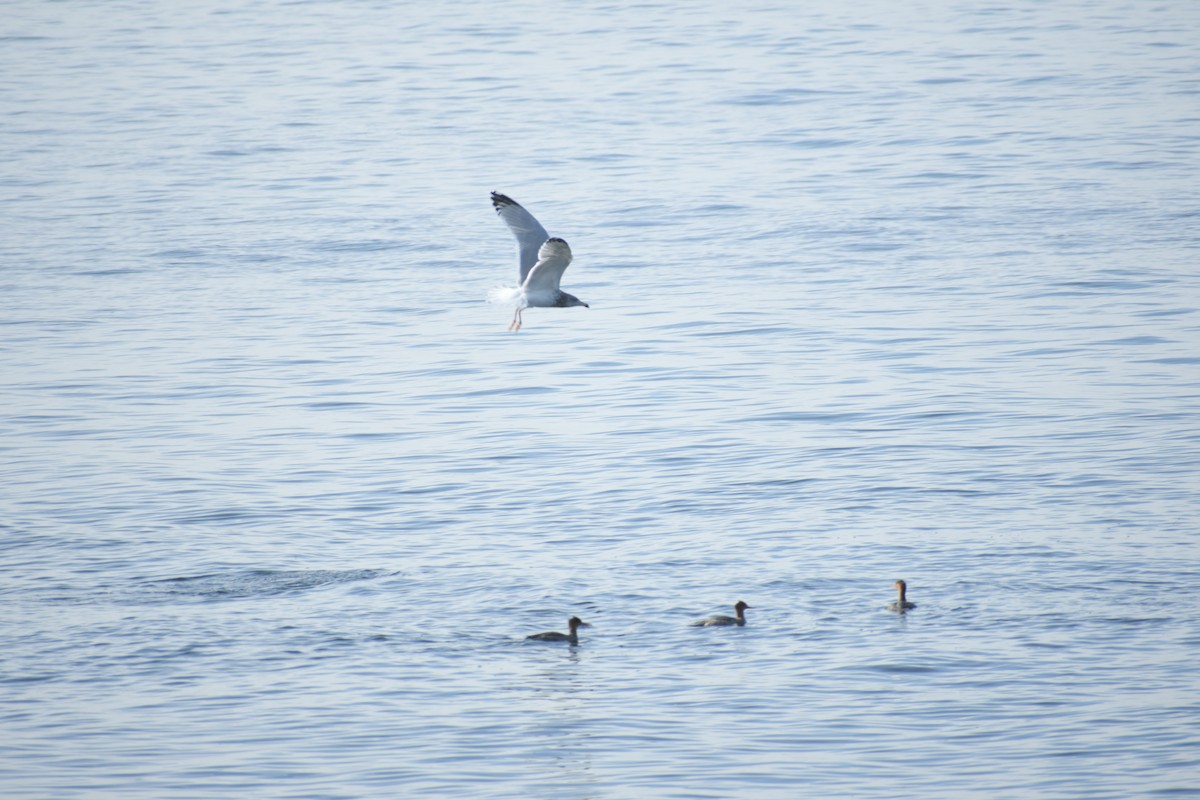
878 290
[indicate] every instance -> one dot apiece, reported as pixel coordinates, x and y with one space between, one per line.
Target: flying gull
542 261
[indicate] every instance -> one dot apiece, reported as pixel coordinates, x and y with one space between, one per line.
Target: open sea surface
878 290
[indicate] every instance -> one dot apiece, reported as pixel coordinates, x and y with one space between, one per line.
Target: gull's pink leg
515 325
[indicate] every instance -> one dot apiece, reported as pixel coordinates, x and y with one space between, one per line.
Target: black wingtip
499 201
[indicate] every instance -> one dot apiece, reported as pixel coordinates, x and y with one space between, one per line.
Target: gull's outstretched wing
529 232
553 259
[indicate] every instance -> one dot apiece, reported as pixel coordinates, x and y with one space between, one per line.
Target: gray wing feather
553 259
528 231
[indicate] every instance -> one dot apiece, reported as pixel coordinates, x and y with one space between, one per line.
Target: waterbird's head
901 585
567 300
741 606
576 622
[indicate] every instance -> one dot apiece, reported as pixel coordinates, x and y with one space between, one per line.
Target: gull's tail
505 295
